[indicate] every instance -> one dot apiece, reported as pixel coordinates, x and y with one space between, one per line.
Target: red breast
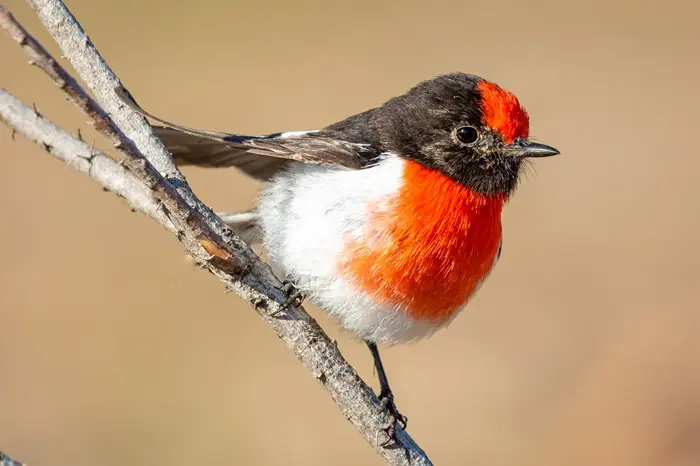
438 241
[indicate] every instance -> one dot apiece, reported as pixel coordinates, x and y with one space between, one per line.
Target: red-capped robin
389 220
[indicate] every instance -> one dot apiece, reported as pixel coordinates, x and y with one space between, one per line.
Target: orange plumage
429 248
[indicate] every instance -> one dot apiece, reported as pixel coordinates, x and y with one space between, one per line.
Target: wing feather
261 157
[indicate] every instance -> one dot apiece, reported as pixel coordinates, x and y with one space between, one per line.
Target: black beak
522 148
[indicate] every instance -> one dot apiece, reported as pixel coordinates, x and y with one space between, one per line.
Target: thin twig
7 461
80 156
199 228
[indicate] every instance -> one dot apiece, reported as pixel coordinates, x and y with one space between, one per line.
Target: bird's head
470 129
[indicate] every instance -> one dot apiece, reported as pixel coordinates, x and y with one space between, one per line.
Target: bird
390 219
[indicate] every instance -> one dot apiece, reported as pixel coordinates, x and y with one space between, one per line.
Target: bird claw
295 298
395 418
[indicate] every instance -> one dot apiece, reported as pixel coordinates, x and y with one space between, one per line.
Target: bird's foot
394 417
295 297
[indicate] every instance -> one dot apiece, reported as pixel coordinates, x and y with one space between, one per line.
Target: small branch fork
147 178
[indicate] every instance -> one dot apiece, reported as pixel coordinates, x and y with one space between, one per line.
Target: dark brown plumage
423 125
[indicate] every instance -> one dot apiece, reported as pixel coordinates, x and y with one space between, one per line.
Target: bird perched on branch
390 220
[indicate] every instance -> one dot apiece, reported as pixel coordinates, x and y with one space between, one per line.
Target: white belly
306 214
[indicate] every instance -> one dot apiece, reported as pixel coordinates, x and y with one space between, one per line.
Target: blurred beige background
580 350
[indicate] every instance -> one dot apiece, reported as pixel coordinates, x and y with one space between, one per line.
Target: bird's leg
386 398
295 297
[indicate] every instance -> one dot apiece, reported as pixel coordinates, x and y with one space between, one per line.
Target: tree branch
170 201
7 461
80 156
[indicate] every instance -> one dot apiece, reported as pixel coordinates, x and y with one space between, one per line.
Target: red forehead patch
502 112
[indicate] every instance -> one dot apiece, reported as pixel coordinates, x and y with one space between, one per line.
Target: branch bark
77 154
154 185
7 461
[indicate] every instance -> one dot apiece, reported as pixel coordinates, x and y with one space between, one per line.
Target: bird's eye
467 135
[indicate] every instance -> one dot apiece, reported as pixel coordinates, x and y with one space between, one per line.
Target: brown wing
195 150
258 156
